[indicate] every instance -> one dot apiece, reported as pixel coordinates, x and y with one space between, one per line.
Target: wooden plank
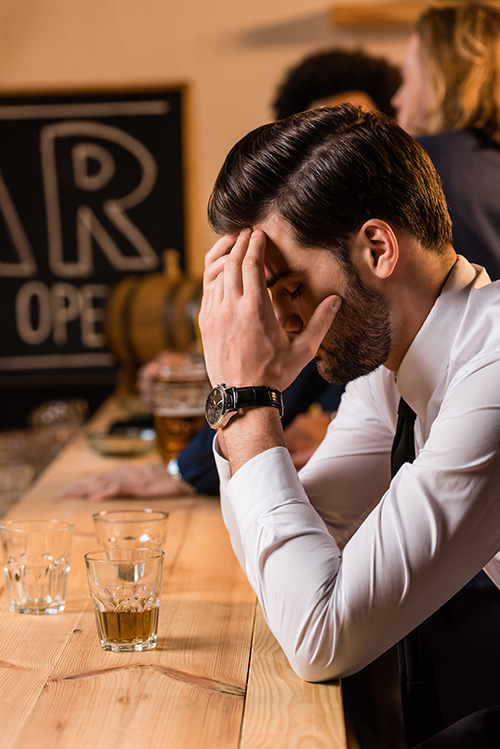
403 13
281 710
59 689
190 688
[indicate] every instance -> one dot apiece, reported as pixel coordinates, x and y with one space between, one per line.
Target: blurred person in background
331 77
449 100
325 78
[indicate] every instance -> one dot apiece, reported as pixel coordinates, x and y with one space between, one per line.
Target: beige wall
231 53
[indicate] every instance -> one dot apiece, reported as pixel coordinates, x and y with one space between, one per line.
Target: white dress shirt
344 561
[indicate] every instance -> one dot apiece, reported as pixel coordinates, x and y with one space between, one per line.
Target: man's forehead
284 256
282 252
280 264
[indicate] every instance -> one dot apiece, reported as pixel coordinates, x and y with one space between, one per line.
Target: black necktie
418 688
403 446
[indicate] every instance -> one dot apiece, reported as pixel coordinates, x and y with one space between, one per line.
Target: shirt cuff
222 464
271 479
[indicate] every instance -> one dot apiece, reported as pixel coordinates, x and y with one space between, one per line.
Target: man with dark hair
328 77
334 76
341 216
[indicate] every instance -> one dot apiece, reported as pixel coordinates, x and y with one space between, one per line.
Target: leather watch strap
247 397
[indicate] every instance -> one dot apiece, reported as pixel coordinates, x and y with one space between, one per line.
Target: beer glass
180 395
125 587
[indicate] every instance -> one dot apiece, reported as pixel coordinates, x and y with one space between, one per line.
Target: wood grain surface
217 677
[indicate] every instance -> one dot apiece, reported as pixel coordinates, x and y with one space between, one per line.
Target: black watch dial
214 407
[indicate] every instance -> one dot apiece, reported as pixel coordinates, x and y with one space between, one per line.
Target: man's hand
132 481
243 342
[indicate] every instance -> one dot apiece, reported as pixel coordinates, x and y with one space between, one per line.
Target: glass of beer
125 587
180 395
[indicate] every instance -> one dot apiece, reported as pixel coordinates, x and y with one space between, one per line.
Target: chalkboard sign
91 191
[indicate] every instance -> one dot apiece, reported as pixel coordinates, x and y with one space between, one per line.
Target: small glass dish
130 442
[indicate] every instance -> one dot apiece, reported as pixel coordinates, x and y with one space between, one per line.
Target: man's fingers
213 286
223 246
321 320
215 269
223 272
233 282
254 277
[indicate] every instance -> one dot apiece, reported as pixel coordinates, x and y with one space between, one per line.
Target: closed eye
297 291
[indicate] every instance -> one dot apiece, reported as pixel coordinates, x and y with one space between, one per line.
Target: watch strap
247 397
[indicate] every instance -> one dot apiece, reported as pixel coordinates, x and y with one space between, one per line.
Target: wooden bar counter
217 678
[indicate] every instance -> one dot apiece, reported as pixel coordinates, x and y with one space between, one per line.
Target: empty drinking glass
131 528
36 562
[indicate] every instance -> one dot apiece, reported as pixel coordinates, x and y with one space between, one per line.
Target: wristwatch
223 402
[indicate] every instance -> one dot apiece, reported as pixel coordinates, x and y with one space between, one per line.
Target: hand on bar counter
132 481
303 436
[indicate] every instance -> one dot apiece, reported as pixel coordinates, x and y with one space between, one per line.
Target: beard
359 340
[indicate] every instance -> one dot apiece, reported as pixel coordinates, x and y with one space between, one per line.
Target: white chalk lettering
92 316
46 313
33 297
83 155
25 265
89 229
66 307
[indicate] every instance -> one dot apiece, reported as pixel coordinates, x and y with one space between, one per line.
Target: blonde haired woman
449 99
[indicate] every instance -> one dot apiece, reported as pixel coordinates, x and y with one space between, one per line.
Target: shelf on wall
403 13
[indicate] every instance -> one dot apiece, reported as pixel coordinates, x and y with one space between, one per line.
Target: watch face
214 407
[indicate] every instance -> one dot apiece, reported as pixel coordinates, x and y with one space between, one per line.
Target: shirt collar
427 359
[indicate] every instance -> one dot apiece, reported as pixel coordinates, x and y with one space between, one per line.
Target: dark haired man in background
334 76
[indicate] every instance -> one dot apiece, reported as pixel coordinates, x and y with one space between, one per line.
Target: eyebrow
273 280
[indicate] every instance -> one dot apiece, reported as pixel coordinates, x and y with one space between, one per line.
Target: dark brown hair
335 71
327 171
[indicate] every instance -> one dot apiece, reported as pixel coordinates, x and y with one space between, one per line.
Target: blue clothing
468 163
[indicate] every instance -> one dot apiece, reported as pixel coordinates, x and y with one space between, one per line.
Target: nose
291 322
395 101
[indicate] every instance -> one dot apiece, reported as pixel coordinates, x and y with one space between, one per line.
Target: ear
375 249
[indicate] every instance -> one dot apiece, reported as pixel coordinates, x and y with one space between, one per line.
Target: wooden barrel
148 314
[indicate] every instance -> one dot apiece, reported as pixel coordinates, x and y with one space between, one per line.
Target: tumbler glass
125 586
36 562
54 423
131 528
